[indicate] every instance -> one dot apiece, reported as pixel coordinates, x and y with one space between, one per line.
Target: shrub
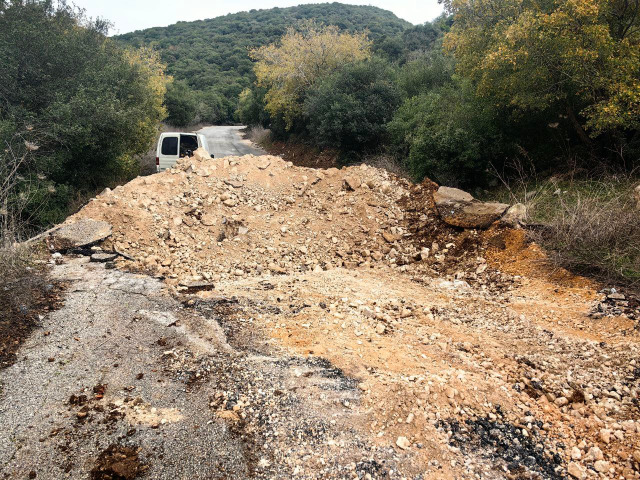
447 135
82 106
258 134
180 103
350 109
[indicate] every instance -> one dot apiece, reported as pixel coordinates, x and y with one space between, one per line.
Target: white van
174 145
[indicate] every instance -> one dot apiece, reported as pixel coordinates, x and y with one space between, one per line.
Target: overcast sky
129 15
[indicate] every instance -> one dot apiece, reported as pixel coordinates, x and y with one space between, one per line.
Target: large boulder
459 209
81 233
515 216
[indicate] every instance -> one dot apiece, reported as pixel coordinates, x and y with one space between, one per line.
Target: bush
81 106
349 110
181 105
431 70
258 134
447 135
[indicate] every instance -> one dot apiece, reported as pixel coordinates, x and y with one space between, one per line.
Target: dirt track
315 331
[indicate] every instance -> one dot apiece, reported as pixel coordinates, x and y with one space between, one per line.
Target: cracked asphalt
125 364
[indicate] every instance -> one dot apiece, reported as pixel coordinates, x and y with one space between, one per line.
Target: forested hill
211 56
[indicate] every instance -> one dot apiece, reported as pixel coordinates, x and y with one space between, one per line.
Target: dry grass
258 135
589 226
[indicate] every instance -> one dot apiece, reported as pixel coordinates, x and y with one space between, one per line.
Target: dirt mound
246 216
118 463
460 340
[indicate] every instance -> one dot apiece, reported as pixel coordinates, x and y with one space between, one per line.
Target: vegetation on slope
75 111
210 56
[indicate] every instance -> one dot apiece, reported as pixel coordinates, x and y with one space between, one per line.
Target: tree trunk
582 135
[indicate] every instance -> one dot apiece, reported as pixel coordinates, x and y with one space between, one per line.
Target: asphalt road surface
227 140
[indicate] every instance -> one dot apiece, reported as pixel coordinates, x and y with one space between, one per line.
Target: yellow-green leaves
304 55
535 55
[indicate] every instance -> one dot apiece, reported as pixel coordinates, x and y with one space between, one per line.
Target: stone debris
459 339
79 233
103 257
460 209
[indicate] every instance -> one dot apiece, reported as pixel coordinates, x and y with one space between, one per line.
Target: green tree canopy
577 57
303 56
349 109
87 105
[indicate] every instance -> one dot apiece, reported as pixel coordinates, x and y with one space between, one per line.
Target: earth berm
271 321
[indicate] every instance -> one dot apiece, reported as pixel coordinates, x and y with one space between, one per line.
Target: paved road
200 392
227 140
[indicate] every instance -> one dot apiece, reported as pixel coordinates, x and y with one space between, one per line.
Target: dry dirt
470 354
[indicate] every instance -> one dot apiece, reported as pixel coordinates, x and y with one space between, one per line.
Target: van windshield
188 145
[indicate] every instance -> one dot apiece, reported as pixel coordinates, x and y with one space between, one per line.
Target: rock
208 220
452 195
515 215
103 257
390 237
351 183
636 456
561 401
576 470
576 454
263 164
403 443
201 155
380 328
234 183
199 286
82 233
595 454
605 435
460 209
601 466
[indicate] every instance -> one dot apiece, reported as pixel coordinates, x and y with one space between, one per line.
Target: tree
81 106
303 56
211 54
181 104
251 107
447 134
349 109
577 58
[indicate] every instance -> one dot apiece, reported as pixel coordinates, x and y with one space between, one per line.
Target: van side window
169 146
188 144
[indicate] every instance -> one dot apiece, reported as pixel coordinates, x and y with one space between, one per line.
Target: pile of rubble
460 341
210 219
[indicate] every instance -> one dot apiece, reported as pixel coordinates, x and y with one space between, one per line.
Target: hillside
211 55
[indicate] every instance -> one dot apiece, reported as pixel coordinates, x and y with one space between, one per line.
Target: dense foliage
304 56
573 60
75 109
211 55
349 109
483 89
